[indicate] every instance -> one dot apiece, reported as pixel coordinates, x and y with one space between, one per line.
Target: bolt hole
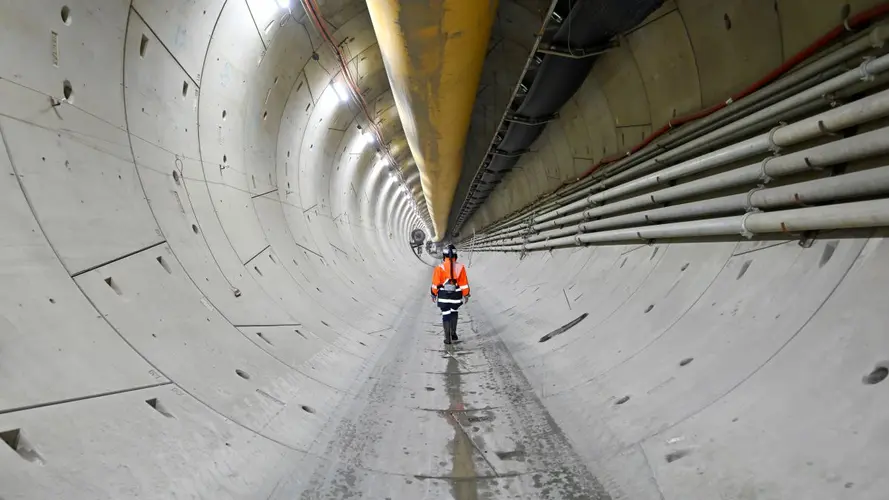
876 376
143 46
684 266
649 308
16 440
265 114
743 270
224 114
113 285
67 90
728 22
184 88
244 375
686 361
224 158
272 258
66 15
176 177
52 300
267 341
257 270
676 455
194 228
157 405
163 263
622 400
307 409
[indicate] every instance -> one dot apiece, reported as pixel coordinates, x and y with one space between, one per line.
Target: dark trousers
449 321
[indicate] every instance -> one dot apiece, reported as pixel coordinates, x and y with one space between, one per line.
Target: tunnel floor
432 421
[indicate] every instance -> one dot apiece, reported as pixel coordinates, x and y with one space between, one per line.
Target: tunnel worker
450 289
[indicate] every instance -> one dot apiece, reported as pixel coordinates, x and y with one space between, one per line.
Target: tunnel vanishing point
673 214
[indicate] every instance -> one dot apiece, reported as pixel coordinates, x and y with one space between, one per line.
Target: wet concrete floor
454 422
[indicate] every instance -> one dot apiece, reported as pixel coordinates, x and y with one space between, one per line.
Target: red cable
825 40
311 7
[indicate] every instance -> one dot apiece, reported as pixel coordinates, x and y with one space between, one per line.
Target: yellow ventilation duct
434 51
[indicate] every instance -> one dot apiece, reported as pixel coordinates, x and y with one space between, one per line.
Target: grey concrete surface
206 288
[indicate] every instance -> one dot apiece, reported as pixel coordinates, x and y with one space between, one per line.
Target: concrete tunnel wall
167 236
186 197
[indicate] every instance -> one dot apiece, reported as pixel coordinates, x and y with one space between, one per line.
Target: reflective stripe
445 313
464 287
451 301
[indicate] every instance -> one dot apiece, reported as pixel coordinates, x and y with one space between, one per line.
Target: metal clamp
750 207
763 173
876 39
866 74
744 231
773 146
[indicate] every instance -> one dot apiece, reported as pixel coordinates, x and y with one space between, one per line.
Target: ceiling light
340 91
368 138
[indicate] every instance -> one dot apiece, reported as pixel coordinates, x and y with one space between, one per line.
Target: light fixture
340 90
284 4
368 138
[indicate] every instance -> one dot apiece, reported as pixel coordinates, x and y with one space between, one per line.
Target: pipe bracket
877 37
863 69
750 207
763 169
744 231
773 146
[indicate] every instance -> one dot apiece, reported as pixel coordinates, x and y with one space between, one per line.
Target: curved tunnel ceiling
208 289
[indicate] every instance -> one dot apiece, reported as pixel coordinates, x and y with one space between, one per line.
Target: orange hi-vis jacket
443 273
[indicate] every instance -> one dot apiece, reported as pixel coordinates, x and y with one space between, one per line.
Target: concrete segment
206 291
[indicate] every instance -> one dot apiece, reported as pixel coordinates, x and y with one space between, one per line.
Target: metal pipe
854 148
867 70
507 224
861 111
875 38
856 185
874 213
